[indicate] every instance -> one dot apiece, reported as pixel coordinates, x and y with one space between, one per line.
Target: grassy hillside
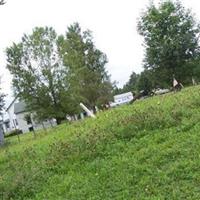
148 150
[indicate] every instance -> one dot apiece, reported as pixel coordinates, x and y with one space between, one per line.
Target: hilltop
147 150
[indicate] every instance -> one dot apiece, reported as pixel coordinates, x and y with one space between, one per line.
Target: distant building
122 99
11 121
20 118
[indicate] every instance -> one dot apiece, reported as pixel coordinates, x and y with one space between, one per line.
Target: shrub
13 133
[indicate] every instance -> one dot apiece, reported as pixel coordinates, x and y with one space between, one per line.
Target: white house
5 125
11 121
20 118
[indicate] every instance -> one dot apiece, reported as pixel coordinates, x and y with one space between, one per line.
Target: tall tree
145 81
171 37
89 81
2 2
131 85
39 77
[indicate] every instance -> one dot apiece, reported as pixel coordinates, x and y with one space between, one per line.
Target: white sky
113 23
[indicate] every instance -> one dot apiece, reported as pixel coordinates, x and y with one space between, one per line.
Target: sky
112 22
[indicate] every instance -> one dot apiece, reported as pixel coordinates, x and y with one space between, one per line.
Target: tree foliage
53 74
2 2
38 73
171 37
131 85
145 81
88 79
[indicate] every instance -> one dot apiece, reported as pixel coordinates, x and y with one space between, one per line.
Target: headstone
82 116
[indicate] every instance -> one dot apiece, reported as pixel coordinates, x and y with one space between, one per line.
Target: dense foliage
38 73
2 2
54 74
171 39
87 75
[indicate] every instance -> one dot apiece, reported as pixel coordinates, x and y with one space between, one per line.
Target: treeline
53 73
171 41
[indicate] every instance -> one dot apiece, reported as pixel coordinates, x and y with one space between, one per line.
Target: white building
122 99
20 118
12 121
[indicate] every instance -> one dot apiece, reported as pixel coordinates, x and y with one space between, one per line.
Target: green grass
148 150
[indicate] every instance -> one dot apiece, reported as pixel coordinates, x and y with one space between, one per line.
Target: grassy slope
149 150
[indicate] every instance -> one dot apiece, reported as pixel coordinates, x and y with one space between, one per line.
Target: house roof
19 107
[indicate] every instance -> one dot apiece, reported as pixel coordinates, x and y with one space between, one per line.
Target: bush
13 133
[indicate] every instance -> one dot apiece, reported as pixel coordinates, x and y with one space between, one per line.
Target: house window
7 125
16 122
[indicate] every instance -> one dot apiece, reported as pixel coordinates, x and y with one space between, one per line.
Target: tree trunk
58 121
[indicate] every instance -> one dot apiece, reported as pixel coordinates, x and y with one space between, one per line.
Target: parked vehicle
160 91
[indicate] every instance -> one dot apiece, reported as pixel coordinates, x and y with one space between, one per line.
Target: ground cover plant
147 150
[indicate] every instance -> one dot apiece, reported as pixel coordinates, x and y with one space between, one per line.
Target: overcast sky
113 23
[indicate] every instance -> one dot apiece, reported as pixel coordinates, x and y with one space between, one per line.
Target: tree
89 81
39 77
171 37
131 85
2 2
145 82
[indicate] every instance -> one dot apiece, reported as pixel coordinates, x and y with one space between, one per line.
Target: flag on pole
175 82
